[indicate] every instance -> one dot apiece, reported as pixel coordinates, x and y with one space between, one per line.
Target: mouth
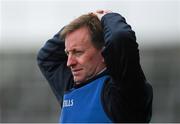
76 71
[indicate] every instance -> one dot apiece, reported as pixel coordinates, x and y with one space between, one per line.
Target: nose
71 60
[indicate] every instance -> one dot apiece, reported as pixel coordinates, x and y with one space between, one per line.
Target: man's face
84 59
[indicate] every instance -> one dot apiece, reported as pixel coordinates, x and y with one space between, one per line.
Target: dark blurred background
25 95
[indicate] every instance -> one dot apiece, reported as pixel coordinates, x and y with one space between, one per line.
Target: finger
99 11
107 11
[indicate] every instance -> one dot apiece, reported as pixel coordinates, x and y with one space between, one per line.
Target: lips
75 71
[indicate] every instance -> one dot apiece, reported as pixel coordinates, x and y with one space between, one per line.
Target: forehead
78 38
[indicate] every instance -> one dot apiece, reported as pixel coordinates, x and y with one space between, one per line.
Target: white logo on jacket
68 103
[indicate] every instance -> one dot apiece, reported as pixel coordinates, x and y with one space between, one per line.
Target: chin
78 80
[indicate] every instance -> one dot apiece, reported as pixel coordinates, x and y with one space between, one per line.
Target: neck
100 74
101 71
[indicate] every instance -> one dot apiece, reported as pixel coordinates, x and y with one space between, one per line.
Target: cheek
91 62
86 63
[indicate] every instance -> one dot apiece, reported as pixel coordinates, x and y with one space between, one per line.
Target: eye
75 53
78 53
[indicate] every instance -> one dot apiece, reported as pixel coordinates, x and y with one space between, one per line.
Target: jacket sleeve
121 50
52 63
128 97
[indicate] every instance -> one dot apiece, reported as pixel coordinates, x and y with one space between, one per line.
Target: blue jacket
126 96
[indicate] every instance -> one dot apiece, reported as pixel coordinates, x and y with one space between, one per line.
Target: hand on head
101 13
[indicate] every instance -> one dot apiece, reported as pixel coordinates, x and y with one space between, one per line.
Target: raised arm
128 97
121 52
52 63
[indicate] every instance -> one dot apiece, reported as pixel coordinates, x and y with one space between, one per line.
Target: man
93 68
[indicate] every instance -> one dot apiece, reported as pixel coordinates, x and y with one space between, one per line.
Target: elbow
39 58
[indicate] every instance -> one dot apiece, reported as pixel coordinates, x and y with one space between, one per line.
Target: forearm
128 91
121 50
52 52
52 63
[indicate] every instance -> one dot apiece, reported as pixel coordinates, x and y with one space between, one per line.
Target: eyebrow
73 50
